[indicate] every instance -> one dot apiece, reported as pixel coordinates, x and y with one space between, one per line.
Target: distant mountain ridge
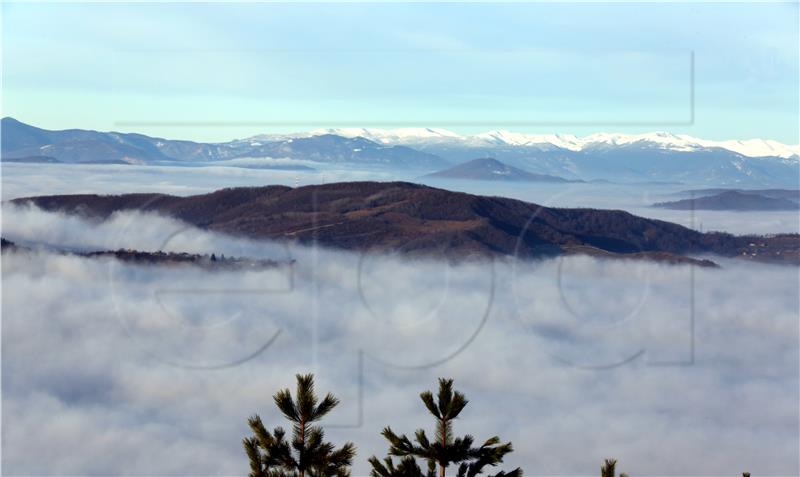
84 146
489 169
416 219
653 158
732 200
791 194
20 140
664 140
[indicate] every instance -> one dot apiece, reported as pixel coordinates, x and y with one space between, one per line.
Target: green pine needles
306 454
446 448
609 469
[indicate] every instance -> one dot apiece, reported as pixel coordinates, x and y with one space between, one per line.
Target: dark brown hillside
489 169
418 219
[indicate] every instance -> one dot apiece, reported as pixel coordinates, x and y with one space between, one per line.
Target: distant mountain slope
791 194
731 200
78 145
336 149
20 140
636 163
413 218
488 169
658 156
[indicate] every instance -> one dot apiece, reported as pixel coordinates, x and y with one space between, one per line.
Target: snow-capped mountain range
663 140
648 157
413 152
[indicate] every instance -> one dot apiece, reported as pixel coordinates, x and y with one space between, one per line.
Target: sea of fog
111 368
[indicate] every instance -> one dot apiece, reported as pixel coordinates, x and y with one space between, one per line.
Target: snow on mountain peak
564 141
388 136
658 139
761 148
661 139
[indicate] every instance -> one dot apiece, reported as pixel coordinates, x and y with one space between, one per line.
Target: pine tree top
307 454
446 448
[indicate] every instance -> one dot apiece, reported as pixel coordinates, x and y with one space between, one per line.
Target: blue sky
214 72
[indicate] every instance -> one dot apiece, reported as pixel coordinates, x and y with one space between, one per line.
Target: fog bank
115 368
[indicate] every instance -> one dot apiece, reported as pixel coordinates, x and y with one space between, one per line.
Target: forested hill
417 219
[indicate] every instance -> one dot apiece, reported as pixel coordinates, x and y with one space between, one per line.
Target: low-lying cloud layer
112 368
25 180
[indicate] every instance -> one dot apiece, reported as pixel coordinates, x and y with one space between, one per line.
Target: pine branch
431 468
400 446
306 400
445 396
283 399
256 465
381 469
514 473
422 439
327 404
427 399
608 468
407 467
265 439
457 404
